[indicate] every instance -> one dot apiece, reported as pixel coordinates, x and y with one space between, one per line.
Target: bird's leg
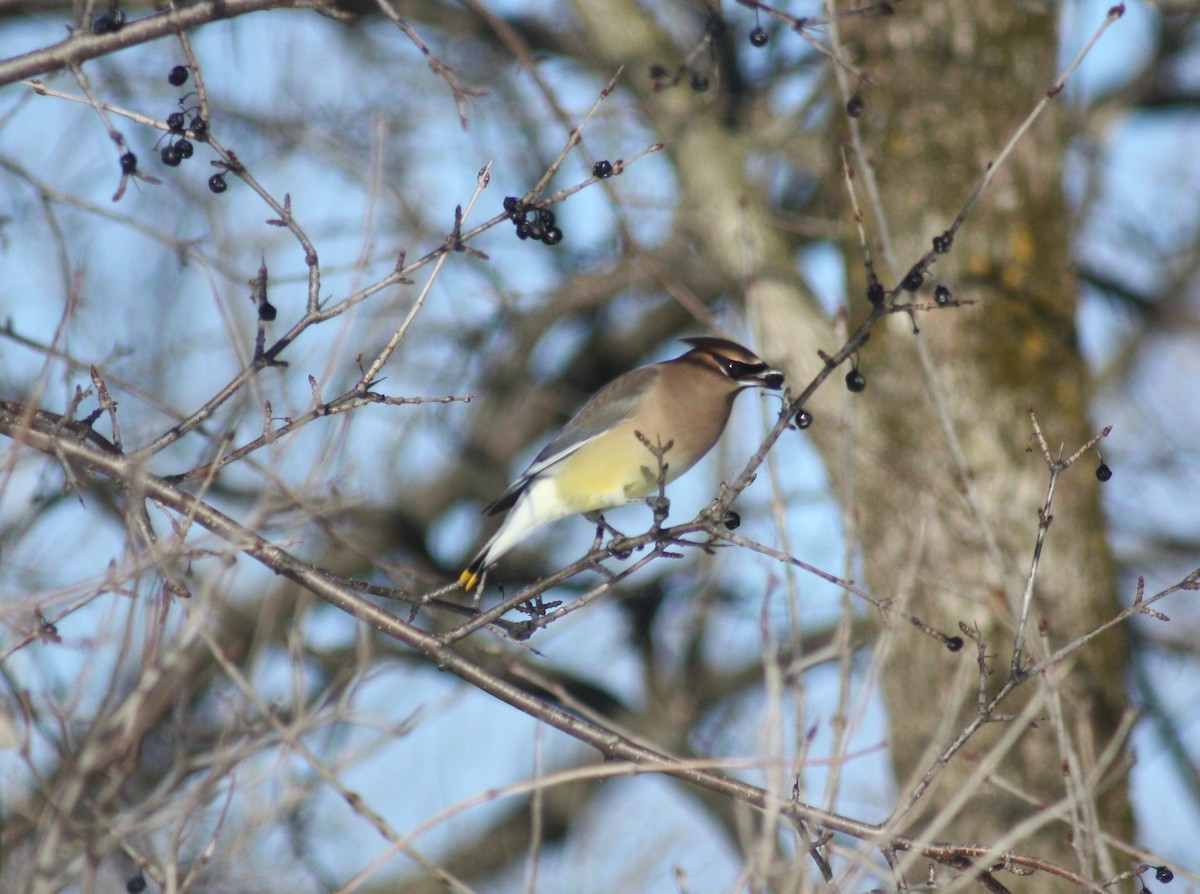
602 528
598 520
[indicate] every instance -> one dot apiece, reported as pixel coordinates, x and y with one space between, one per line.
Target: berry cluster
183 126
533 223
179 148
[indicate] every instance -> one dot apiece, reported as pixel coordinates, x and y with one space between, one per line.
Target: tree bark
953 540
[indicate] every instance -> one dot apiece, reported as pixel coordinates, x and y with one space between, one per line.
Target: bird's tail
469 579
537 505
471 574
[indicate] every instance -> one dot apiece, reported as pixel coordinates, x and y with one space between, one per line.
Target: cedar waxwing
598 462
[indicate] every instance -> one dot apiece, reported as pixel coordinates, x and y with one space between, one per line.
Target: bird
602 457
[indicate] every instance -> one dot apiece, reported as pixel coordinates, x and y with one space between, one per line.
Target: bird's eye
737 370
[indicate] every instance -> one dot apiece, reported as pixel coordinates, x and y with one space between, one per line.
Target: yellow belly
606 473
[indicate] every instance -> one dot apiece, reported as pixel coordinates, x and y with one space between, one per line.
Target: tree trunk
954 541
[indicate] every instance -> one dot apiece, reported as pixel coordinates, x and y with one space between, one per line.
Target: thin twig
1057 466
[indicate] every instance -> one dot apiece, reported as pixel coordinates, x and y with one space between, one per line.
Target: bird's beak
770 378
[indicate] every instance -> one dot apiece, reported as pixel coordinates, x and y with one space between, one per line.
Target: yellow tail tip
468 579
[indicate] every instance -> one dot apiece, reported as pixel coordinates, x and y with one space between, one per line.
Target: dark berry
875 292
553 236
759 36
170 156
109 22
536 230
658 73
955 643
511 203
184 149
199 128
267 311
602 169
856 381
523 230
941 244
178 76
732 520
913 280
1164 875
854 107
136 884
217 183
1103 472
545 217
699 83
803 419
128 163
941 295
175 122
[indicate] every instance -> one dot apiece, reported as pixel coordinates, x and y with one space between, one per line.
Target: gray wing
607 408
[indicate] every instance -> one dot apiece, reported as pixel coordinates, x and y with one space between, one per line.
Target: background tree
229 526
